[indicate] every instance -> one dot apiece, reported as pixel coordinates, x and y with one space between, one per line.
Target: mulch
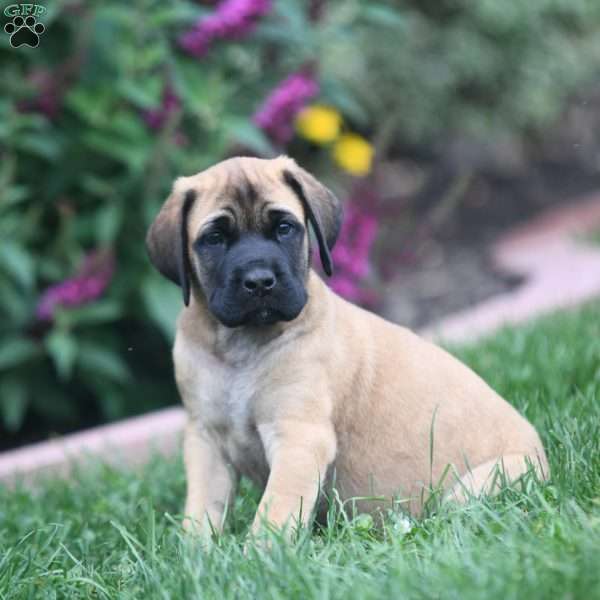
427 276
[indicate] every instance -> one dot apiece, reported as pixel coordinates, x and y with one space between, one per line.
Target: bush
457 67
96 123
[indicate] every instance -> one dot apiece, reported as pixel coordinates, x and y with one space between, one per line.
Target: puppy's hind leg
490 477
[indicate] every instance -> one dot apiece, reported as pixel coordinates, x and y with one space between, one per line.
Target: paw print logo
24 32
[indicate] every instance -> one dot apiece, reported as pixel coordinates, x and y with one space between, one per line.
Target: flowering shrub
351 254
88 285
323 125
319 124
115 103
233 19
170 104
276 115
354 154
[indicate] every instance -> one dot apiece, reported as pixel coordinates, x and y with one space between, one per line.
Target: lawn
114 533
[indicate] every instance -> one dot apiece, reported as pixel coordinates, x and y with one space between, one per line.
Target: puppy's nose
259 281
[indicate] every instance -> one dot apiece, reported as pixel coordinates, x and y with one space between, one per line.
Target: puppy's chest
227 396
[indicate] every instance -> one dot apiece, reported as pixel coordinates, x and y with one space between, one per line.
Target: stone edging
131 440
561 271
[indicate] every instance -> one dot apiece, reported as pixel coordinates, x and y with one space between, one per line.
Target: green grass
112 533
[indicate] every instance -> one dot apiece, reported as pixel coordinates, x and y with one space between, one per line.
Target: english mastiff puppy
290 385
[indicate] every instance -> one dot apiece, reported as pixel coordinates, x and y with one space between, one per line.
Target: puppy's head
238 232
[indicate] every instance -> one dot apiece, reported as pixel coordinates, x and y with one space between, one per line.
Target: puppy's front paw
199 530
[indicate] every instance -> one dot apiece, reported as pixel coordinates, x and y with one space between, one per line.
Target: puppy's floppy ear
322 208
167 240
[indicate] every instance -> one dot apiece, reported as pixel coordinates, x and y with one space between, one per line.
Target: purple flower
277 113
233 19
49 94
157 117
351 253
87 285
316 8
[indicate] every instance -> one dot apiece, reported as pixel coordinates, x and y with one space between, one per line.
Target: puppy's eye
284 228
214 238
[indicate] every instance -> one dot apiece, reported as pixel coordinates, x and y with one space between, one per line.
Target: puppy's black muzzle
257 285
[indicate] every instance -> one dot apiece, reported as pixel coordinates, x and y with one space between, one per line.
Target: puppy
290 385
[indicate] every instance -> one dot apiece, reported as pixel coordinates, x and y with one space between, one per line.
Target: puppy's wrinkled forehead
242 189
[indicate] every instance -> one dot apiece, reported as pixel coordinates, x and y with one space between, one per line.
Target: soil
447 267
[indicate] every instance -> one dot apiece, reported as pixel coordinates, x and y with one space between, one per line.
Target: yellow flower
319 124
354 154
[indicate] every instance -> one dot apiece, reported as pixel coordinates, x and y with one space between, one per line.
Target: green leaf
103 362
163 302
62 348
146 95
339 96
386 16
18 263
17 350
95 313
14 194
293 14
15 308
193 86
112 398
178 14
45 145
13 403
243 131
97 186
132 155
108 222
128 126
